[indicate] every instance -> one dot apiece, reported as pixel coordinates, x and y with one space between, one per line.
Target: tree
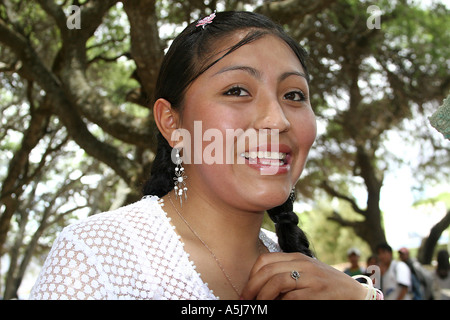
78 78
429 243
426 249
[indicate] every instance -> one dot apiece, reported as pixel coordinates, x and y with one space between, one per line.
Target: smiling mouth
267 158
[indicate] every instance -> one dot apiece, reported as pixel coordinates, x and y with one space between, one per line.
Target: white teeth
264 155
270 162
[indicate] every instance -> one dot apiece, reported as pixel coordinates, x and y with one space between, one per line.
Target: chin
271 198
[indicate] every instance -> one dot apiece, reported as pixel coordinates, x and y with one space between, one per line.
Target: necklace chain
209 249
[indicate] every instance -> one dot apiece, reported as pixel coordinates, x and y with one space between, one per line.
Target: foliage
329 240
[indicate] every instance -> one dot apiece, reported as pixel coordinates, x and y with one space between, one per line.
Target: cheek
305 130
304 134
210 130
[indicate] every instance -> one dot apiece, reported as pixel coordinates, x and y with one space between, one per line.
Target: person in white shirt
395 275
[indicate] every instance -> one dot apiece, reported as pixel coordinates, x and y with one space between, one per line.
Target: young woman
235 128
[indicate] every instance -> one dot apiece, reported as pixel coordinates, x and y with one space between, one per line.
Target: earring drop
292 195
180 178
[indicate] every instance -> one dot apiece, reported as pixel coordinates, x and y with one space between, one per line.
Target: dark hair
384 246
443 264
188 57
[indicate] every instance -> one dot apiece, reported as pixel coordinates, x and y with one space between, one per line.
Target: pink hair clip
207 20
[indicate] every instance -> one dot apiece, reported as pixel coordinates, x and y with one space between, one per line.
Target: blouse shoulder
127 217
105 256
132 252
270 240
119 226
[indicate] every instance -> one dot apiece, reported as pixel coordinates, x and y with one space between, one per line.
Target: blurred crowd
404 278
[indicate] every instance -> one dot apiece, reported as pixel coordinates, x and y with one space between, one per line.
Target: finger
301 294
259 278
318 287
273 277
268 265
274 257
276 286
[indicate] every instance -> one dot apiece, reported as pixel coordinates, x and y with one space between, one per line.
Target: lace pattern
129 253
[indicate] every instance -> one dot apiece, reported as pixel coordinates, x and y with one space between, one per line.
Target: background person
422 280
441 279
353 255
395 275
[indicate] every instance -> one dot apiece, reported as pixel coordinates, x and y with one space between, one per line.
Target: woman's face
260 92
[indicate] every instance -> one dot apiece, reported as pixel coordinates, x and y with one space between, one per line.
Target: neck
223 242
217 224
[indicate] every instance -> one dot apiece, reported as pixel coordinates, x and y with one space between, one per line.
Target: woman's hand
270 278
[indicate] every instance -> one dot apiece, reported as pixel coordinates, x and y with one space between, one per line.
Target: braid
290 237
161 179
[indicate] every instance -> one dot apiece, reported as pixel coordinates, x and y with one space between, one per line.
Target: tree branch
70 66
101 57
55 12
34 69
426 249
12 185
286 10
336 217
146 48
92 14
368 173
332 192
101 111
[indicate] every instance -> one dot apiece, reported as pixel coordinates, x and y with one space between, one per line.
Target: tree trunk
426 249
370 229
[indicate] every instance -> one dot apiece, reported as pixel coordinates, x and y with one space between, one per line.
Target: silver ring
295 275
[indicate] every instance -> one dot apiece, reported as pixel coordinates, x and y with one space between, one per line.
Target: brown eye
237 91
295 96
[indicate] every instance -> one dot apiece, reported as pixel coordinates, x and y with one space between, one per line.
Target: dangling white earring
180 178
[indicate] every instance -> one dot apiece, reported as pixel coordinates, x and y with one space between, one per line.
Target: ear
166 119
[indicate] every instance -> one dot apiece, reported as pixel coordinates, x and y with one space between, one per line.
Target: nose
270 115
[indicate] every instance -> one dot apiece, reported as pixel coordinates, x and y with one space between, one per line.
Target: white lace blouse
130 253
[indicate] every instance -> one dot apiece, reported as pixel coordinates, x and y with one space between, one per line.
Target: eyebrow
252 71
256 74
286 75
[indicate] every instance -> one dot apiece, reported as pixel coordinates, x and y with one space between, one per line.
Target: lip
271 169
